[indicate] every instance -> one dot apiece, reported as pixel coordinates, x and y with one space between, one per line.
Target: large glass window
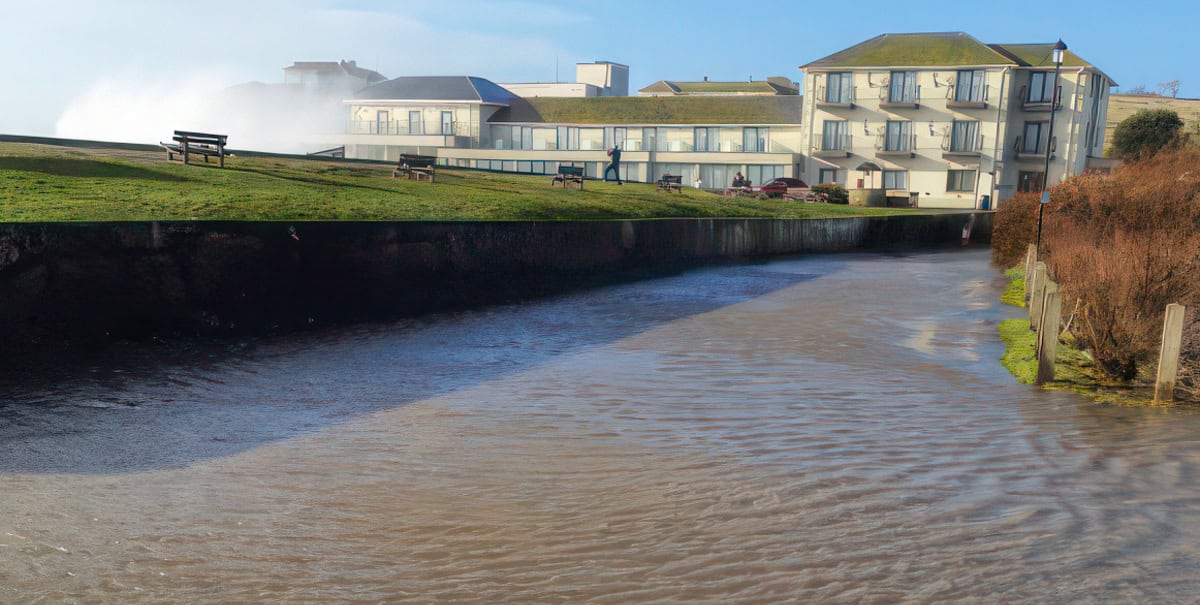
755 139
759 174
970 86
895 179
447 122
1031 140
706 139
839 88
903 87
964 136
1041 87
960 180
414 123
898 136
834 135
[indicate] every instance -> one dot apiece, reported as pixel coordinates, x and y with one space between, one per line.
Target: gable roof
346 67
769 109
942 49
761 87
438 88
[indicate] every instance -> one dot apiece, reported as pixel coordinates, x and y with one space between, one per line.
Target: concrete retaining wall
81 285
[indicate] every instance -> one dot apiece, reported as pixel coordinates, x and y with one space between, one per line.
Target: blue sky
60 50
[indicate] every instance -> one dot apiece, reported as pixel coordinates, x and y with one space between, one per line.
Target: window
834 137
755 139
1041 87
447 122
1031 140
970 86
568 137
382 122
899 136
827 175
964 136
706 139
960 180
414 122
839 88
615 136
895 179
759 174
903 87
1029 182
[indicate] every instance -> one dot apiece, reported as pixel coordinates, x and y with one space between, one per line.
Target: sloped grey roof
346 67
438 88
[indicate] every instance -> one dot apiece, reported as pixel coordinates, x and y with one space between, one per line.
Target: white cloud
97 67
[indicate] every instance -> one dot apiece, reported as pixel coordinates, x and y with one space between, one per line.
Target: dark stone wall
78 286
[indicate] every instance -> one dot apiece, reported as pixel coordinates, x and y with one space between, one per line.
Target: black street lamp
1058 59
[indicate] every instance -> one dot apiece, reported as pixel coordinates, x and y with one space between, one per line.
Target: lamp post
1058 59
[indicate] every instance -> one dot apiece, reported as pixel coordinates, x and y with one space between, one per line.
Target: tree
1169 89
1146 132
1139 90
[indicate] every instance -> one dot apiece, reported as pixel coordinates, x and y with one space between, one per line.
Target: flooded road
819 429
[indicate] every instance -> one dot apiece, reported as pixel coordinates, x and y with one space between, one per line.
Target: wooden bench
415 167
202 143
567 175
670 183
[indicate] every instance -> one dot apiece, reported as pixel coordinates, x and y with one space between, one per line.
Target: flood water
819 429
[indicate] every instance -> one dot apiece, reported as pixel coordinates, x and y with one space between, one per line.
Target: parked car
777 187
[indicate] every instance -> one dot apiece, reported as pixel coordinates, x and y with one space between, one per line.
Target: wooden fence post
1168 354
1030 262
1047 337
1039 292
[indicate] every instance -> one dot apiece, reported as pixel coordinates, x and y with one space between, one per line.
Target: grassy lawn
49 183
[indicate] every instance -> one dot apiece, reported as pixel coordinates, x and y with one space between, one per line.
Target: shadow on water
75 167
153 407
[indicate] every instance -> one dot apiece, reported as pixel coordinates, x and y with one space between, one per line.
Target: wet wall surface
71 289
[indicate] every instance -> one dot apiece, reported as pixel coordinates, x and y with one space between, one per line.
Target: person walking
615 166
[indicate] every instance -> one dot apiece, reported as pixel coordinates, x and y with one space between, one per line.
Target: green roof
915 50
1039 55
774 109
761 87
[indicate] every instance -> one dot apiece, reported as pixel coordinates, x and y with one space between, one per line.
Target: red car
777 187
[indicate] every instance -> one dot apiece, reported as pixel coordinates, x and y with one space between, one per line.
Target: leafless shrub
1122 247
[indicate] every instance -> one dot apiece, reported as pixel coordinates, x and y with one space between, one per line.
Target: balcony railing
896 146
910 97
965 147
1030 150
1041 104
970 99
836 97
836 145
397 127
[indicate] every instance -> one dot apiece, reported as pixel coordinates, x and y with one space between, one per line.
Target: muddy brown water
819 429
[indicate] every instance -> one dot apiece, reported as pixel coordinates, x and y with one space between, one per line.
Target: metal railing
910 95
972 145
399 127
836 142
953 97
824 95
899 144
1025 100
1038 149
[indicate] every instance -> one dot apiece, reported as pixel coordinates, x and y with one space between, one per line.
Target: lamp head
1059 47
